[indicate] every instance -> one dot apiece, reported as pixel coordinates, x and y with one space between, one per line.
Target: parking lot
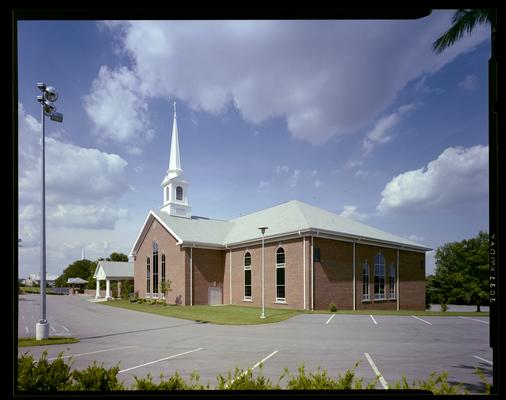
142 343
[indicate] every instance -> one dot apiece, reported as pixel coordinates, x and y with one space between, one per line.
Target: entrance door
214 295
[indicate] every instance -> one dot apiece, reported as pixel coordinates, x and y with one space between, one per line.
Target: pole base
262 316
41 330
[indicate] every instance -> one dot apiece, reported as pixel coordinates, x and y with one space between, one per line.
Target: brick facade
332 279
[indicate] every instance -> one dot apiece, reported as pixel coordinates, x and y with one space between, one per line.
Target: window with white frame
148 276
163 267
247 276
155 267
379 277
179 193
280 274
391 293
365 281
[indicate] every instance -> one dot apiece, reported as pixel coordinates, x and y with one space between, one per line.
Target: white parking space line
333 315
26 329
482 359
427 322
373 320
477 320
254 366
161 359
93 352
376 371
52 328
64 327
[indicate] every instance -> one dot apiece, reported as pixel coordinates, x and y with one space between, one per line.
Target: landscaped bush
332 307
444 307
56 376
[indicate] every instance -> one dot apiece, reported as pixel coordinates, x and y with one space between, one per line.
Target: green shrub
444 307
95 378
244 380
175 382
134 300
332 307
42 375
437 384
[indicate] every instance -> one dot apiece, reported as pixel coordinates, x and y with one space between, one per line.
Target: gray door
214 295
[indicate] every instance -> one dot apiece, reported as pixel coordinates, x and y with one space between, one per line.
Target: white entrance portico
112 271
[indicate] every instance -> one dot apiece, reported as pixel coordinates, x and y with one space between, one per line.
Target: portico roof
114 270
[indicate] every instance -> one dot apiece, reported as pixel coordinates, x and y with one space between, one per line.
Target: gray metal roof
288 218
76 280
113 269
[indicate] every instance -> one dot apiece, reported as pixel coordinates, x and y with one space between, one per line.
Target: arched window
155 267
163 267
247 276
148 277
379 277
392 281
179 193
365 281
280 274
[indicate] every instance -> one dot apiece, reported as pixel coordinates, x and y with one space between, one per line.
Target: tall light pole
49 95
263 229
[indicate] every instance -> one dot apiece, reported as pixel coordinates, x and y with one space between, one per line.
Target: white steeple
175 159
82 255
175 197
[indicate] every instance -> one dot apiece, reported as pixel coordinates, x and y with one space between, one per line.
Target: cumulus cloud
326 78
381 133
86 216
352 212
457 175
469 82
118 110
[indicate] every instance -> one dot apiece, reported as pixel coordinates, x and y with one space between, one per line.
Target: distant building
34 279
312 257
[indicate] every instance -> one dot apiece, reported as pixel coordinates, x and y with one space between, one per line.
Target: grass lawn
25 342
225 315
239 315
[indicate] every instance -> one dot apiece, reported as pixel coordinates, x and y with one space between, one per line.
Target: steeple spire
175 159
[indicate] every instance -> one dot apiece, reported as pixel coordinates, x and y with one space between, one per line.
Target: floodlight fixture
50 93
57 117
41 86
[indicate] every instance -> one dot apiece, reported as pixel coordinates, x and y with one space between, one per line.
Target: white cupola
175 193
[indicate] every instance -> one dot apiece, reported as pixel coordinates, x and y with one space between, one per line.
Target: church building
292 255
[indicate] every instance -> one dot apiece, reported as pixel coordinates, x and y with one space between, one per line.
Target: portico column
97 294
108 289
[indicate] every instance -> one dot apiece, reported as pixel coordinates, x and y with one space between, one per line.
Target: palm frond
463 21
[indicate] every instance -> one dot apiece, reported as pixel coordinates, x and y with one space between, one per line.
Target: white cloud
469 82
457 175
262 184
118 110
351 164
317 183
294 178
86 216
380 134
282 168
415 238
326 78
352 212
365 174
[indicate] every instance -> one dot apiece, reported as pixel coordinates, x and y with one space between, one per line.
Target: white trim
304 269
354 283
247 268
280 300
230 275
247 298
280 265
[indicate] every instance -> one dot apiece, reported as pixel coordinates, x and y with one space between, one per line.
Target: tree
83 269
165 287
117 257
463 21
461 272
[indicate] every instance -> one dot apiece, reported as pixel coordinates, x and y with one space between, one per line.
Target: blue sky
356 117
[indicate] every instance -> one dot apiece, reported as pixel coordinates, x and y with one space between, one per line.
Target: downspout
398 294
191 275
354 295
230 276
304 268
312 273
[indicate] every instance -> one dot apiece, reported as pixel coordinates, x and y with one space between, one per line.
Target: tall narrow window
163 267
247 276
365 281
155 267
392 281
148 277
179 193
379 277
280 275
